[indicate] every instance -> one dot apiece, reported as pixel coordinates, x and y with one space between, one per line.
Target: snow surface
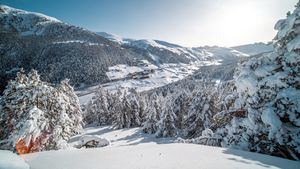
111 37
269 117
121 137
132 149
294 44
9 160
79 41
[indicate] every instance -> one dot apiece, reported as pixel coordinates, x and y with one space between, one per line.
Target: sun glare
234 23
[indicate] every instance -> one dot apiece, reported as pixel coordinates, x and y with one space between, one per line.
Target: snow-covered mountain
169 63
255 48
56 49
164 52
25 23
59 50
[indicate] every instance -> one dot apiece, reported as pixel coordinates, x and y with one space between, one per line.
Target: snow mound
9 160
93 141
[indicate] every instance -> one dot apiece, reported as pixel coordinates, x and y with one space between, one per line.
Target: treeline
173 110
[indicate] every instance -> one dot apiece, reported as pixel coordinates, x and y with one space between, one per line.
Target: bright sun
235 22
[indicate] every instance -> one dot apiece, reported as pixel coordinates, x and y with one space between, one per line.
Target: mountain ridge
58 50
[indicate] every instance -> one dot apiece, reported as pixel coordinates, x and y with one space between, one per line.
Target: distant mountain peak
4 9
255 48
24 22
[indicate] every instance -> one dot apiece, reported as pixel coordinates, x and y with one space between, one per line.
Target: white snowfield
80 42
160 156
9 160
131 149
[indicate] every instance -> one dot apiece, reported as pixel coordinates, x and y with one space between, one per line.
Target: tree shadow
135 136
138 137
261 160
99 131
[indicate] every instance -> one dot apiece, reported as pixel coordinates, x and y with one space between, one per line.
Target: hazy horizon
187 23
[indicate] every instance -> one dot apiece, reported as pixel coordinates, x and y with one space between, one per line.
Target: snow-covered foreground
9 160
131 149
160 156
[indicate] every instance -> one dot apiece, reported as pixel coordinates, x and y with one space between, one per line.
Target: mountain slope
56 49
59 50
159 51
255 48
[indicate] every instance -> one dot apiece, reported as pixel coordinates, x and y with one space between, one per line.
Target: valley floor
132 149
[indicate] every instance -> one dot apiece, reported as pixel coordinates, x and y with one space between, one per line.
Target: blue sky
185 22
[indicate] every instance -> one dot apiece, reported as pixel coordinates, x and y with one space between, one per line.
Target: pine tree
166 125
266 104
37 116
197 117
69 111
97 108
119 116
152 115
135 110
91 112
180 107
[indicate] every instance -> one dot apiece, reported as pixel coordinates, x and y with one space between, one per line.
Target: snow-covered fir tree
122 109
200 112
36 116
265 109
166 126
153 110
180 107
135 110
68 108
97 109
127 111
